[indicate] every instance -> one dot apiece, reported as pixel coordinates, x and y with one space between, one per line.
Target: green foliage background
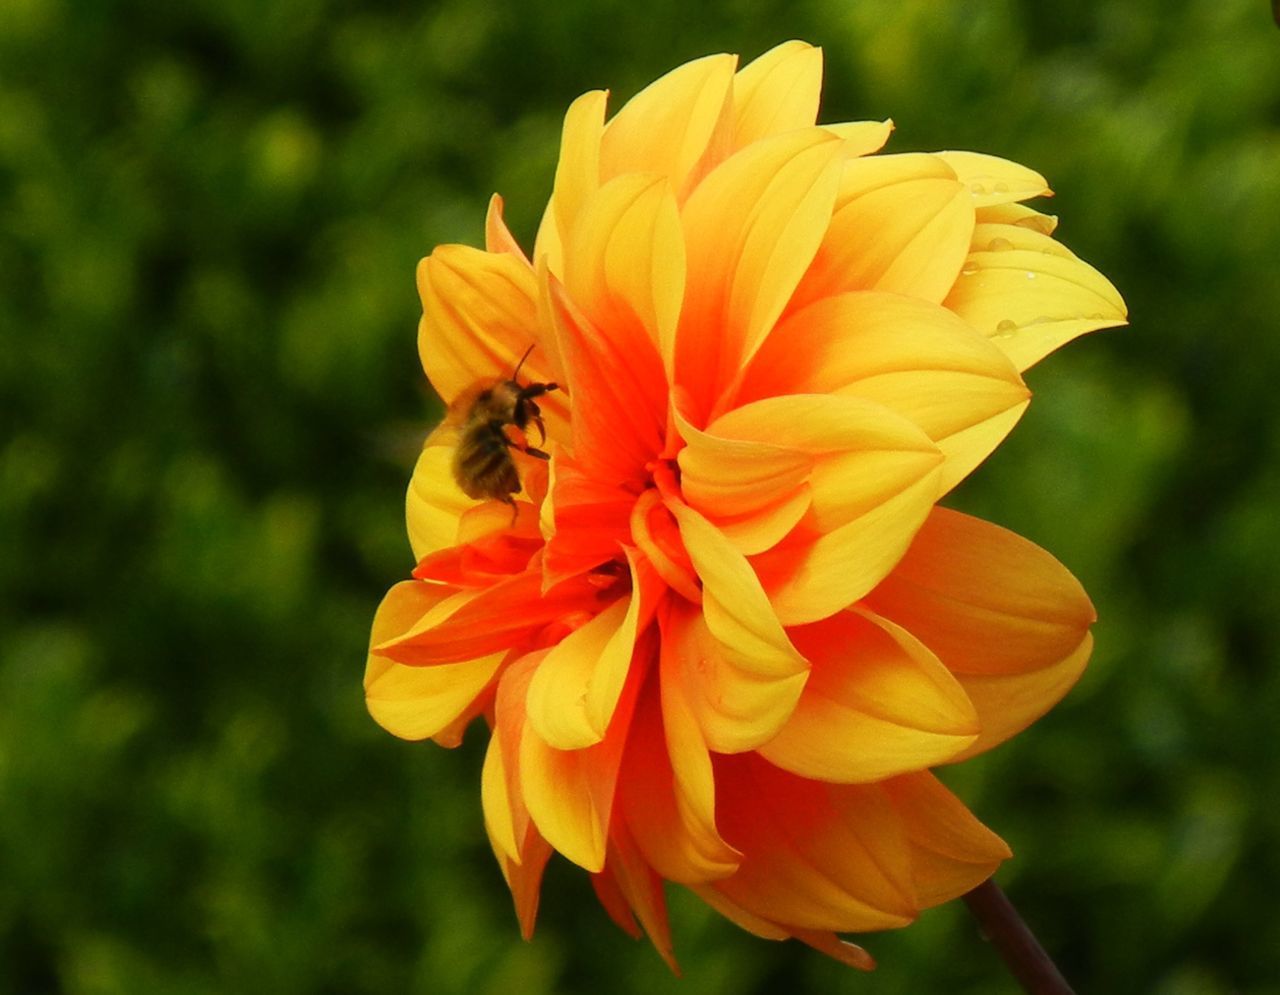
210 400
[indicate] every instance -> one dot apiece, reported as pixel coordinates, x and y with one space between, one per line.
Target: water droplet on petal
999 245
1005 329
977 188
968 270
1030 275
1001 187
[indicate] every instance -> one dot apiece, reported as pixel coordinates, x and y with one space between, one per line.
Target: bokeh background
210 214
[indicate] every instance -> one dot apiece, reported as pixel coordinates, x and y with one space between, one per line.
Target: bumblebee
491 417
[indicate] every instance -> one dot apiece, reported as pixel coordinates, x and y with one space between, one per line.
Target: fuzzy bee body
485 416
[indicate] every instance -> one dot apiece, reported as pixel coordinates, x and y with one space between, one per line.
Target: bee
491 418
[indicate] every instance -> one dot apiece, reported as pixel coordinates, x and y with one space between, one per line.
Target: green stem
1018 948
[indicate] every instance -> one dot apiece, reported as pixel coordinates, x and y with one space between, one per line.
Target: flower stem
1017 945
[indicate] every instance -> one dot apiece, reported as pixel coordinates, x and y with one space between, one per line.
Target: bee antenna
522 359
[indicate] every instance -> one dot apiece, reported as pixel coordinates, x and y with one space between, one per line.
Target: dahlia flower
723 631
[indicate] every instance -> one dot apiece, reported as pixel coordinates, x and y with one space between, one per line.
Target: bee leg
515 508
542 429
536 453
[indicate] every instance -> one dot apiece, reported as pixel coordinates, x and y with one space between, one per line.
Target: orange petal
573 695
741 673
479 316
877 703
619 392
952 852
416 702
745 264
625 264
815 856
914 358
475 623
667 792
497 236
992 180
1000 613
1030 302
777 92
906 237
589 520
671 126
642 890
570 793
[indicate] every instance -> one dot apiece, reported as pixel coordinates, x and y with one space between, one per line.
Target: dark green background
210 214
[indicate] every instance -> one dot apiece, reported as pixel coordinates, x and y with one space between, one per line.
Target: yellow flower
727 631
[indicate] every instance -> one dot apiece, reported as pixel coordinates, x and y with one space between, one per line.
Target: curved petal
853 454
815 856
743 265
506 615
417 702
479 316
573 695
1030 302
497 236
674 125
951 851
861 137
877 704
1000 613
570 793
914 358
625 268
740 671
621 394
434 502
641 889
667 789
908 237
992 180
578 169
777 92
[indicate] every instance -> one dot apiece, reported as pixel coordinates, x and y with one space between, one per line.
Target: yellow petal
1000 613
777 92
864 176
479 316
992 180
625 261
908 237
578 171
574 692
751 229
434 502
667 788
815 856
862 137
1031 302
417 702
570 793
914 358
669 127
877 703
740 675
643 892
859 454
811 575
952 852
1020 215
498 819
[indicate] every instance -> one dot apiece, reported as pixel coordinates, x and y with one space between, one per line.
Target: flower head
723 630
